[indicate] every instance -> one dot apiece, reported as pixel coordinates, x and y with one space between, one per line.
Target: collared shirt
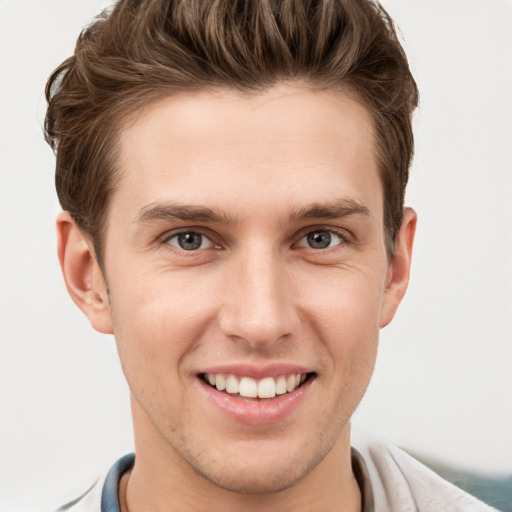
389 479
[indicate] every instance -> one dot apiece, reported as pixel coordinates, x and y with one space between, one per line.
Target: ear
399 268
82 274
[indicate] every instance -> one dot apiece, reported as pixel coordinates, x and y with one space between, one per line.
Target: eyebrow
175 211
331 210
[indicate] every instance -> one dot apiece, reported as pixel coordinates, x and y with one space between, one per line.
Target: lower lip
256 412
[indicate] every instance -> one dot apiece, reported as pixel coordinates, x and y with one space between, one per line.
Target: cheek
344 300
344 311
157 321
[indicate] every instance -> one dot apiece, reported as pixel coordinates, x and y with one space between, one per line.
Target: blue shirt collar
109 499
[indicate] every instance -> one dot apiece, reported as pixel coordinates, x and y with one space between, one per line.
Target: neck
162 481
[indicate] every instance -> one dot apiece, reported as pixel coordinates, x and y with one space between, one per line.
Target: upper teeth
268 387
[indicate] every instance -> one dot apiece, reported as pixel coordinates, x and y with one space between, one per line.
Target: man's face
245 239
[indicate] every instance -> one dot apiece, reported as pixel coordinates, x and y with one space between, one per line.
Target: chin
256 480
260 471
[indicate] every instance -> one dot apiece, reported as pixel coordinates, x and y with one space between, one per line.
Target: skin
255 293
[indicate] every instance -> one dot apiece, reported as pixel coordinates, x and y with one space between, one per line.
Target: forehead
284 146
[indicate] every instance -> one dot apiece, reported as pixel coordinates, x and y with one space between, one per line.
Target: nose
258 300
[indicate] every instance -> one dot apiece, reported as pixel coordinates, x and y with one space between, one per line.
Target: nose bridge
259 306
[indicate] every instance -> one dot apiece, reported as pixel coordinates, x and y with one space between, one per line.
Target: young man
232 176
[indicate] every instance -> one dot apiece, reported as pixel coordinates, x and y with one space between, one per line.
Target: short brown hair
142 50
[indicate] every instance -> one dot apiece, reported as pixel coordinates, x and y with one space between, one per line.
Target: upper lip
257 371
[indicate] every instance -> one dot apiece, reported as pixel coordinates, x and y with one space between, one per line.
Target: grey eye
321 239
190 241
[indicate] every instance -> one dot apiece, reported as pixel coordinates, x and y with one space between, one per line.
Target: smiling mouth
247 387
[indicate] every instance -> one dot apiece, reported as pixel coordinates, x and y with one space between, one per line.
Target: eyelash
340 234
343 236
170 236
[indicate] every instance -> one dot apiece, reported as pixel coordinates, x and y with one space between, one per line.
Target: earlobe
399 268
82 274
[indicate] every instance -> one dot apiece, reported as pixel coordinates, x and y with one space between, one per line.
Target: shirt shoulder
90 501
400 483
102 496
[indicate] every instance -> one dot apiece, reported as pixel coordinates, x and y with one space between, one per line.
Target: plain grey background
443 384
